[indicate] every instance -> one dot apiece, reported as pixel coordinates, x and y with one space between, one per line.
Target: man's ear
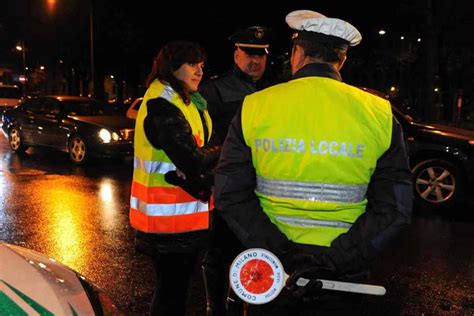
340 64
235 55
297 58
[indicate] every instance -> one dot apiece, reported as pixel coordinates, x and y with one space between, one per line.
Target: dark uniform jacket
388 209
225 95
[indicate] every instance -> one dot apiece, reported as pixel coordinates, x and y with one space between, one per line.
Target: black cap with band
254 40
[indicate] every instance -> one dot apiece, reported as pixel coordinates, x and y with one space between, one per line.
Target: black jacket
225 94
388 210
166 128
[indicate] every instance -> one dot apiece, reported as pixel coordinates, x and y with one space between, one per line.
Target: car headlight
105 135
115 136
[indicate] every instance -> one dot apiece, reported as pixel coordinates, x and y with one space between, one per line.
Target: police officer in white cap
316 171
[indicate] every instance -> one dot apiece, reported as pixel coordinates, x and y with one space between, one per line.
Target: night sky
139 28
127 35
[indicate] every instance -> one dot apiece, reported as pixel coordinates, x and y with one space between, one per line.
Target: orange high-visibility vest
155 205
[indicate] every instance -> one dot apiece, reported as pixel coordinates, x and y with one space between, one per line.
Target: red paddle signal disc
256 276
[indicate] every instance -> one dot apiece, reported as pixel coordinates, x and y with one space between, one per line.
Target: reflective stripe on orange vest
153 166
168 209
163 224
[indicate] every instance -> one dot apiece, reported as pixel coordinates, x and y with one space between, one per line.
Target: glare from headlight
105 135
115 136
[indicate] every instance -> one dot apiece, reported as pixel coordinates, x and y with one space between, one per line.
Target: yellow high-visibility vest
315 143
155 205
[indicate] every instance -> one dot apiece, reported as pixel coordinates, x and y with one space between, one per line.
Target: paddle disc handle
347 287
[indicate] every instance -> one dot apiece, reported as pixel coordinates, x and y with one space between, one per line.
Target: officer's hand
312 290
180 174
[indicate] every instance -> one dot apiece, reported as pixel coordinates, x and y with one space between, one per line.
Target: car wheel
77 150
438 183
15 141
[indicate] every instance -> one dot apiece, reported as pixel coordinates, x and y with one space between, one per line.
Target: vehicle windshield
86 108
10 93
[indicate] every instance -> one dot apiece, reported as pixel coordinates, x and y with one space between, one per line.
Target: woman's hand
180 174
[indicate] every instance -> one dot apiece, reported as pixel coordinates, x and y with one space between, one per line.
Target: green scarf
199 101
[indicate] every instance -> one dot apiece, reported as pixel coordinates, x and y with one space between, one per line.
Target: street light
21 48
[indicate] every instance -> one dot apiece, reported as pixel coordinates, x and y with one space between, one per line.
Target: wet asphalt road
79 216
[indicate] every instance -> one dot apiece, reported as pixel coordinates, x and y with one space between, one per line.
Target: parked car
10 97
133 109
33 284
80 126
441 159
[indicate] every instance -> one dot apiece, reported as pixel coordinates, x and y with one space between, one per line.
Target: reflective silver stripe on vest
168 209
312 191
153 166
307 222
167 93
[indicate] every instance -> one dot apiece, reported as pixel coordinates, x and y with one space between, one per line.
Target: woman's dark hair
170 57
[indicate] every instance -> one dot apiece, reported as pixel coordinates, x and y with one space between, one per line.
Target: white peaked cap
311 21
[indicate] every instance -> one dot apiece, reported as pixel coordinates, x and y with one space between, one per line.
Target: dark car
10 96
80 126
441 159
